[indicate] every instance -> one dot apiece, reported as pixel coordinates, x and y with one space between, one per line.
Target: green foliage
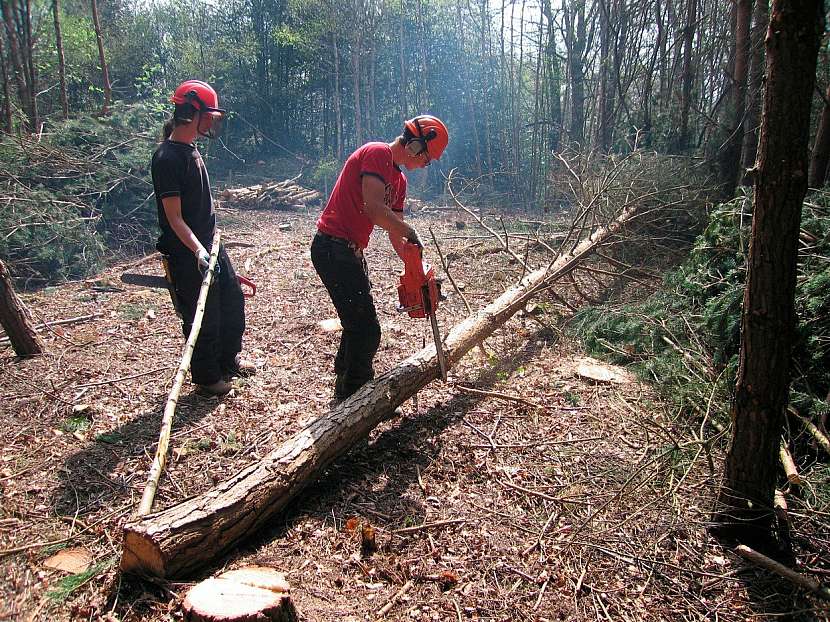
65 586
685 338
79 194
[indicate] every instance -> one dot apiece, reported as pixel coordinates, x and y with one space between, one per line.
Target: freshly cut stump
251 594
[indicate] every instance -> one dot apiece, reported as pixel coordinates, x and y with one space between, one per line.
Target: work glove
203 260
414 239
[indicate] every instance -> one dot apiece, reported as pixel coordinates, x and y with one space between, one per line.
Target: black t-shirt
178 170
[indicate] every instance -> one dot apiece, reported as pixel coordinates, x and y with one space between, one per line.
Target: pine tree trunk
577 35
688 75
730 156
56 8
7 100
821 148
16 319
19 63
105 73
768 319
760 21
338 115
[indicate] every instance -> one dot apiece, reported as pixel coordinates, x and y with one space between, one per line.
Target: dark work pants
345 276
220 338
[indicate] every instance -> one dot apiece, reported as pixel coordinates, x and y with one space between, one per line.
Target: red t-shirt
344 215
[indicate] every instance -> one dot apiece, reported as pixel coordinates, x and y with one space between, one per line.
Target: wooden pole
172 399
181 539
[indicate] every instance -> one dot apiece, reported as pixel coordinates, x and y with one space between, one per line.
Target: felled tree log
16 319
183 538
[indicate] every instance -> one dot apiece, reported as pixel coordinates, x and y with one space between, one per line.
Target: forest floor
569 499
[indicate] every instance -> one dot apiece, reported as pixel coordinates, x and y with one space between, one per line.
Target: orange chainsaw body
418 291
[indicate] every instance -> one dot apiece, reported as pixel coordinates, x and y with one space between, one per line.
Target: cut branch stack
286 194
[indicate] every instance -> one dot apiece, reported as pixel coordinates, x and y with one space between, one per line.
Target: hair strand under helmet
426 133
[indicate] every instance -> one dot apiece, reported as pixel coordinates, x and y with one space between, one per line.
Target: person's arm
173 211
373 194
396 240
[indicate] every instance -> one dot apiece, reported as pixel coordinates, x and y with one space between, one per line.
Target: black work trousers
220 338
344 273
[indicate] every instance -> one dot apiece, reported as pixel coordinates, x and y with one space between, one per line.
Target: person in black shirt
188 222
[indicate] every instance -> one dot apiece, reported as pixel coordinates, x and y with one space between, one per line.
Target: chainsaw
164 282
419 293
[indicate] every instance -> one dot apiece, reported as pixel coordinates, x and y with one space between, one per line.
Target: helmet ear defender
416 145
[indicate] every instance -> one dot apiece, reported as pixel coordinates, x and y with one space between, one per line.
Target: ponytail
167 129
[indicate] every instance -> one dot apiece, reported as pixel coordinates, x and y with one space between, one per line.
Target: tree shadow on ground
96 477
411 445
774 598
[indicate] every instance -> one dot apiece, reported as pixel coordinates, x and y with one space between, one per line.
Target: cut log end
255 593
141 555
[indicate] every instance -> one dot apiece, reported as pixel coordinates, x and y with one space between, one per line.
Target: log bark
16 319
180 540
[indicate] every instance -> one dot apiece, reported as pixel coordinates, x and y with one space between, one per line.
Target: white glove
203 259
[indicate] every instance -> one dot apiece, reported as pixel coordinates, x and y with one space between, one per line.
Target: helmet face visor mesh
210 123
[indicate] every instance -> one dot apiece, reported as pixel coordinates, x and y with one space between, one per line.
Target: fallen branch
426 526
395 598
808 583
66 322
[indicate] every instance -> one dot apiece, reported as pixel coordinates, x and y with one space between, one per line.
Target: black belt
333 238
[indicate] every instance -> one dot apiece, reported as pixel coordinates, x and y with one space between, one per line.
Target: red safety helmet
426 133
200 95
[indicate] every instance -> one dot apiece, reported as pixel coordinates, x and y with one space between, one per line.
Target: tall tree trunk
105 73
19 63
56 9
605 100
688 74
7 99
16 319
821 148
338 115
468 90
358 113
768 319
760 21
577 34
730 156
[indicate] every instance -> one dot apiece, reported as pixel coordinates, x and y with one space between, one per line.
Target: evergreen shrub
686 337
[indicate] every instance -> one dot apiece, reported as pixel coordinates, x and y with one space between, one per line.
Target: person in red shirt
370 191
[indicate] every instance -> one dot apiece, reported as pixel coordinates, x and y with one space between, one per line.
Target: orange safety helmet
426 133
200 95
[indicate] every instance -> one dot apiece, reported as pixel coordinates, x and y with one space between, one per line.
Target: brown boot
220 387
241 368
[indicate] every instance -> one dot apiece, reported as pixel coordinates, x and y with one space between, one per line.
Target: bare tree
821 148
105 74
768 319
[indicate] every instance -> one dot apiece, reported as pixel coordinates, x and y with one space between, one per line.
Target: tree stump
16 319
251 594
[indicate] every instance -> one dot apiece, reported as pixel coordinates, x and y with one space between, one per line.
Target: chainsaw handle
247 283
